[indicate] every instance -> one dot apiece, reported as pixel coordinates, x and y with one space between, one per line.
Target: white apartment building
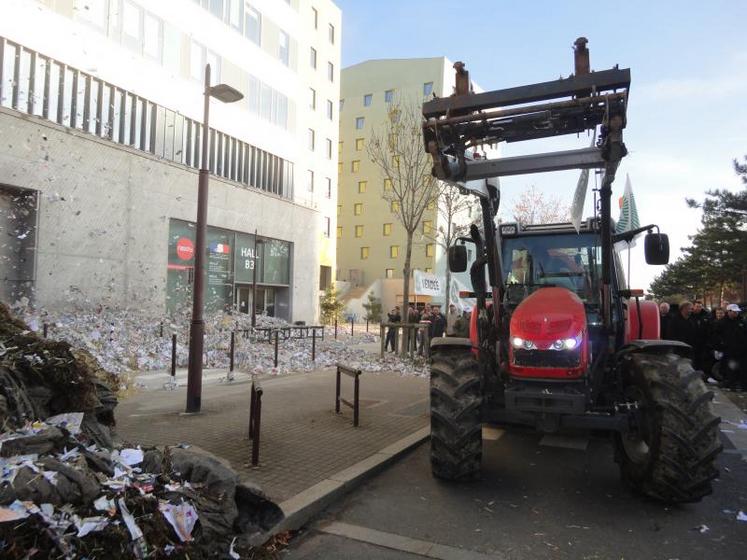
101 105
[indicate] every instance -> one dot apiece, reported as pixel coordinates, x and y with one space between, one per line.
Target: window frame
358 209
367 99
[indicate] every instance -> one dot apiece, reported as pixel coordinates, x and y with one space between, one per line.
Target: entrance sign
427 284
185 249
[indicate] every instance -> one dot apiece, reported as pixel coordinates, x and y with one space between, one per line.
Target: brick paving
303 441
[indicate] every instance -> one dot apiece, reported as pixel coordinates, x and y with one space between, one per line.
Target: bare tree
533 208
452 206
397 149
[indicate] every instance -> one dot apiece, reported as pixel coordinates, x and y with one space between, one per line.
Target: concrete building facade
101 108
371 242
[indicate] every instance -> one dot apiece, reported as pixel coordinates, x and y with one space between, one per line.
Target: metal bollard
366 324
46 329
233 347
277 337
313 345
335 328
173 357
255 417
352 327
382 338
160 334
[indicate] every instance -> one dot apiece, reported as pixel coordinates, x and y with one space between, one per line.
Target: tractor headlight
566 343
518 342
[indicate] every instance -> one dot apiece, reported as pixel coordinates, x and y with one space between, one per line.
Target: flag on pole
579 196
628 211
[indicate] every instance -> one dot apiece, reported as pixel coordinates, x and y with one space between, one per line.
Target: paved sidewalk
303 441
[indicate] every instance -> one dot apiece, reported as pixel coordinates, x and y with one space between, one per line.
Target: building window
394 251
429 270
395 206
360 122
216 8
327 226
199 58
330 72
339 148
431 205
284 47
389 273
359 144
367 99
339 232
339 168
312 139
331 33
355 166
328 191
389 96
152 37
315 17
325 277
253 25
330 116
359 231
130 24
236 14
427 227
387 230
312 98
364 252
310 180
312 59
427 88
329 148
358 209
387 184
362 186
339 209
430 250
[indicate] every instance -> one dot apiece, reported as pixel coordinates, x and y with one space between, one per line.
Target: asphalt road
533 501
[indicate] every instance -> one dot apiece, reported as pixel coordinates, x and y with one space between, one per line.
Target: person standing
438 322
394 316
664 319
733 337
451 318
413 318
701 320
425 319
682 327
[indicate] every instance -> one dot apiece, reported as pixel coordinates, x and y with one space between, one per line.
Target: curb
731 417
303 506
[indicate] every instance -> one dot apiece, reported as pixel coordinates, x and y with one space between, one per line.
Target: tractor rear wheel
670 454
456 426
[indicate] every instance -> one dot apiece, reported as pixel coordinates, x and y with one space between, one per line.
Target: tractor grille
547 358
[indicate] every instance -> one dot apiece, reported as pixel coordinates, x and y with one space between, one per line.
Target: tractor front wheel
670 452
456 426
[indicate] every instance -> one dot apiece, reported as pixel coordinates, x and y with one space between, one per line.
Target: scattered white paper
104 504
702 528
182 518
14 512
71 421
741 516
90 525
129 520
51 477
232 553
131 457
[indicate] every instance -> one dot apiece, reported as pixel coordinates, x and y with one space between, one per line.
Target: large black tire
456 427
670 456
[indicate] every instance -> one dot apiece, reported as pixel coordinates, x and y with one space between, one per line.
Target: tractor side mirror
457 258
657 248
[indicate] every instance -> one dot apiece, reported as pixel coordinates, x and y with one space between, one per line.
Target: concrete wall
104 213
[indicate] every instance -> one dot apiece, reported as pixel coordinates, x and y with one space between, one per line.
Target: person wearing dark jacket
702 354
438 322
394 316
664 319
731 336
682 327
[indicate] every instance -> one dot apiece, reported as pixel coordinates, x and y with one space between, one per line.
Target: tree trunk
406 342
448 272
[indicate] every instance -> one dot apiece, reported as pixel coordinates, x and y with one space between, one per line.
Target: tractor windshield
570 261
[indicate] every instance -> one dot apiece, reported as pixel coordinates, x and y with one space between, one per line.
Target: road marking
492 434
403 544
566 442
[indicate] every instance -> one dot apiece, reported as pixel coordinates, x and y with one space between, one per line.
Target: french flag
221 248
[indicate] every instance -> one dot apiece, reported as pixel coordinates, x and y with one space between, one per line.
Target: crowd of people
718 339
434 322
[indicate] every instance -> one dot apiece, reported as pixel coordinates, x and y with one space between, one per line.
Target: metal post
335 328
197 327
46 329
254 282
356 392
233 347
252 407
366 323
352 327
313 345
337 392
160 331
257 422
173 357
383 340
277 337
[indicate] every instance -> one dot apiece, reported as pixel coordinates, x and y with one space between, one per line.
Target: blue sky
687 117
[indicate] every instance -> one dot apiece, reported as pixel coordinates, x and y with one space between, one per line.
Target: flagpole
629 285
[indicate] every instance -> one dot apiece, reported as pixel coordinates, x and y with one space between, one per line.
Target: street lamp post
226 94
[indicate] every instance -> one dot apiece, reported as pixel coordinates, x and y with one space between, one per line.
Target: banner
628 211
427 284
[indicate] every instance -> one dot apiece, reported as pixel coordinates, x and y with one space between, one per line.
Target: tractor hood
548 335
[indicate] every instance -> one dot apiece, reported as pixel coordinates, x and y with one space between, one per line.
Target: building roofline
404 59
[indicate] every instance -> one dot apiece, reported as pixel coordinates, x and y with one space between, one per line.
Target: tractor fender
641 320
450 342
656 347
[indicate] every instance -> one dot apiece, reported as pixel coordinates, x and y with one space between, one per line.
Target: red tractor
557 340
